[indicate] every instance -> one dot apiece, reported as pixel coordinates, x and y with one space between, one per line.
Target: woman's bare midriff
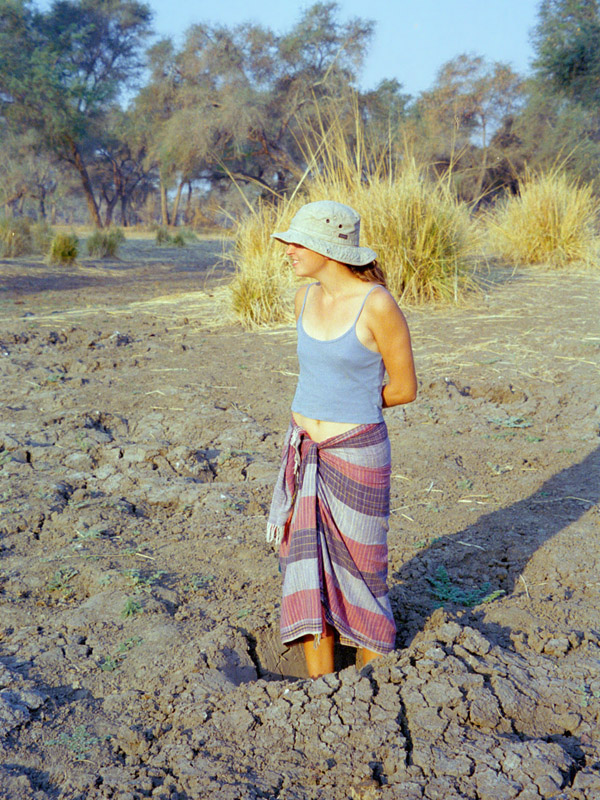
319 429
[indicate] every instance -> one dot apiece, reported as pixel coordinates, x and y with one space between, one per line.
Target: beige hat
330 229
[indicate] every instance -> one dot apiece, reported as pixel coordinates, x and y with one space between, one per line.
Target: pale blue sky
413 38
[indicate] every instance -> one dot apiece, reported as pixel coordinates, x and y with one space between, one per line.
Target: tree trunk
187 214
483 167
124 222
164 207
177 201
86 183
110 207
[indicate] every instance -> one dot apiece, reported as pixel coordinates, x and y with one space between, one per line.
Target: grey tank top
340 379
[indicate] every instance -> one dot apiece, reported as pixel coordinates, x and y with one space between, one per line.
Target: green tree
561 120
467 105
237 102
119 169
61 70
567 44
28 174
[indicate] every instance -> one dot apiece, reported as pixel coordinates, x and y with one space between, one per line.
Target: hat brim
344 253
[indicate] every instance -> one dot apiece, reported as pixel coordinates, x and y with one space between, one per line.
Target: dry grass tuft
422 234
259 291
553 221
63 249
105 244
15 237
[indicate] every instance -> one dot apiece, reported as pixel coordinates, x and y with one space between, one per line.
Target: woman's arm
391 334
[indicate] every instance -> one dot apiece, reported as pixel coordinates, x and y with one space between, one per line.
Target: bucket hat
330 229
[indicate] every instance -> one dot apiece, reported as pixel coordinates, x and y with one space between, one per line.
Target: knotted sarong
330 514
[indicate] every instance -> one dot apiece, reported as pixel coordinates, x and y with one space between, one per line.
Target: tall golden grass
15 237
423 236
258 291
552 222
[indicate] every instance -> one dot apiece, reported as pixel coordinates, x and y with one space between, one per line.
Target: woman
330 506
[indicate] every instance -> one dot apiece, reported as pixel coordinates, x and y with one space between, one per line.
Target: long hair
371 273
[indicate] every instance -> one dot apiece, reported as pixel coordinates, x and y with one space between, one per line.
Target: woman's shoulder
381 306
379 297
300 296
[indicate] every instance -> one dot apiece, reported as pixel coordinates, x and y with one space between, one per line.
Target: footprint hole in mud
276 661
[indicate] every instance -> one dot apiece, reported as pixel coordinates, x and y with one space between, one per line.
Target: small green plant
79 742
113 662
104 244
198 582
511 422
89 533
499 469
64 249
83 442
465 484
144 582
60 581
178 240
586 695
131 608
15 237
128 645
445 591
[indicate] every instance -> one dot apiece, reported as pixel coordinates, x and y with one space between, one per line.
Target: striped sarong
330 514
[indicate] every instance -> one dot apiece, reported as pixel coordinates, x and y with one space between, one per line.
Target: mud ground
140 433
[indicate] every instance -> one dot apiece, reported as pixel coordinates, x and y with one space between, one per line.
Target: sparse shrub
162 236
15 237
63 249
41 236
551 222
104 244
179 239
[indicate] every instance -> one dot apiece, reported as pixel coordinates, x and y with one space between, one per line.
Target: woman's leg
368 655
319 660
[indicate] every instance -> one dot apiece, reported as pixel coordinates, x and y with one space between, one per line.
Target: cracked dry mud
139 654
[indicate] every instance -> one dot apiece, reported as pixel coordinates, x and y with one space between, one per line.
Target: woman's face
306 263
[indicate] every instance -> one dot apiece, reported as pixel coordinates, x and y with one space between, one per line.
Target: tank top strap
308 288
363 302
